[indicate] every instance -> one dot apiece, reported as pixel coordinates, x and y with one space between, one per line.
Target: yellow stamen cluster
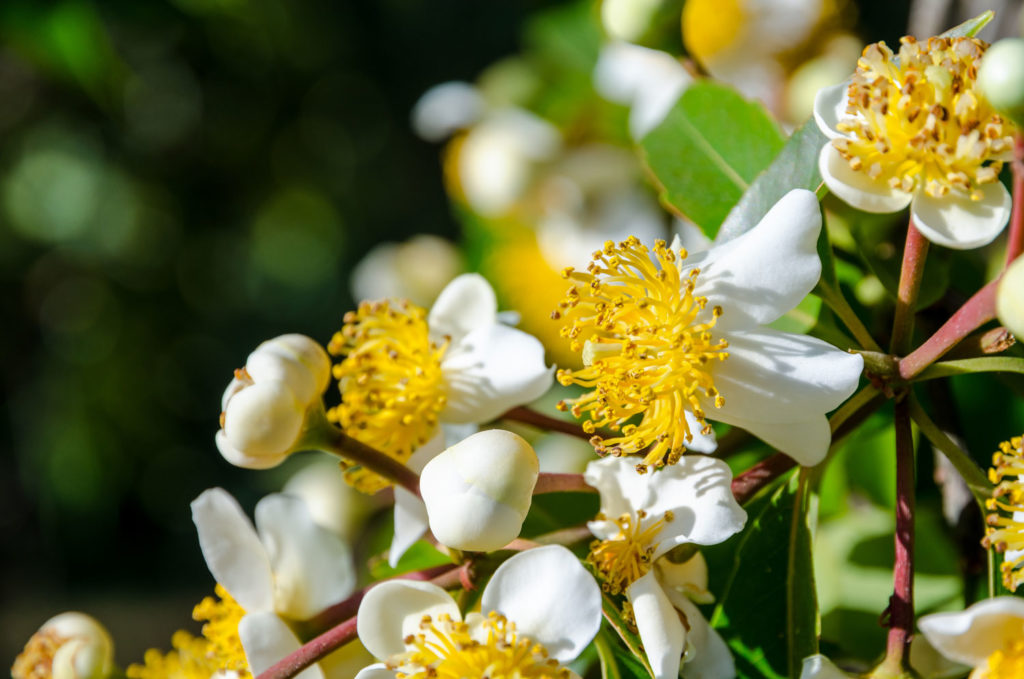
36 660
1007 663
917 121
390 379
647 350
445 649
622 560
218 650
1005 521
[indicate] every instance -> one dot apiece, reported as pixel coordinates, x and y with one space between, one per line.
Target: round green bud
1010 298
1001 77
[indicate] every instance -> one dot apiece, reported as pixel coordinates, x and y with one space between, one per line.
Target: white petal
446 108
774 376
240 459
806 441
708 656
956 221
297 360
467 303
691 573
491 370
410 513
700 443
820 667
266 640
830 108
972 635
697 490
550 596
393 609
765 272
856 188
312 567
658 624
377 671
264 420
232 550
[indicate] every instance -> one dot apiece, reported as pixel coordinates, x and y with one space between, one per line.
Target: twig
546 422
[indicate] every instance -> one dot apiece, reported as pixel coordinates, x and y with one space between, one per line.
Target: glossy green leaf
768 611
421 555
984 364
970 28
795 167
707 152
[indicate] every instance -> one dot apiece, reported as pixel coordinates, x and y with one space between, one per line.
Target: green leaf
985 364
617 662
708 150
768 613
795 167
970 28
421 555
613 616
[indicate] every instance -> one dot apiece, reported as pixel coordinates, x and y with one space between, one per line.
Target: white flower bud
1010 298
265 406
1001 77
478 491
67 646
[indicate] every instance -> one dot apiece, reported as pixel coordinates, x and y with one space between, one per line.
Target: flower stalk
546 422
914 253
339 443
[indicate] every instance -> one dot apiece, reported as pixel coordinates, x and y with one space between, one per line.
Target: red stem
978 310
545 422
356 451
1015 239
746 485
549 482
901 604
914 253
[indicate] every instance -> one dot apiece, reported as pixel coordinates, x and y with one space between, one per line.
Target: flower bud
478 491
266 405
67 646
1001 77
1010 298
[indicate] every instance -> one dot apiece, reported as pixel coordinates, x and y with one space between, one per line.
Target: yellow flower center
622 560
918 123
445 649
36 660
1005 521
712 26
1007 663
647 350
391 384
218 650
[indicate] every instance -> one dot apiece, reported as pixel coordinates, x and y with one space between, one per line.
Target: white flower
445 109
67 646
286 568
988 636
417 270
1010 298
902 135
642 518
1001 77
404 371
539 604
266 405
478 492
705 351
820 667
648 81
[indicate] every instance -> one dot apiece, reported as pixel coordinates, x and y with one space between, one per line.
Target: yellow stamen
1005 520
391 383
918 123
1007 663
221 629
622 560
648 338
36 660
446 649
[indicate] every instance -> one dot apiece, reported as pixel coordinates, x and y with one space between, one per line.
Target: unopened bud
267 404
1010 298
67 646
478 491
1001 77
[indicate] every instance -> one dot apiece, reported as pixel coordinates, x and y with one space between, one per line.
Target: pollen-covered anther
649 351
627 556
390 379
916 122
1005 520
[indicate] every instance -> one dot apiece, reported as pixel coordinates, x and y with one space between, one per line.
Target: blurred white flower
445 109
988 636
648 81
628 19
1001 77
478 492
286 568
540 605
700 319
1010 298
820 667
417 270
332 503
642 518
265 406
901 134
67 646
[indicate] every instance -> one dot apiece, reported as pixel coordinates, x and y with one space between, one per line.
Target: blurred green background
180 180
